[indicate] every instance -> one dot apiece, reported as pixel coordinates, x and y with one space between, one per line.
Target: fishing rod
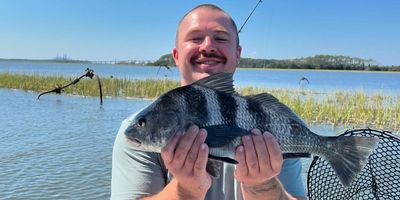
166 67
249 16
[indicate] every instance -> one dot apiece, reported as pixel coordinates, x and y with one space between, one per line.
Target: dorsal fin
271 102
222 82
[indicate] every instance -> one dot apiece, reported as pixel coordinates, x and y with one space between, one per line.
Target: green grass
88 87
339 108
336 108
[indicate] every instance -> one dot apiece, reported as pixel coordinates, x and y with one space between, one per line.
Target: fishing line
249 16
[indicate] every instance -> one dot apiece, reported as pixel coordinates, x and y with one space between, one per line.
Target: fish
213 104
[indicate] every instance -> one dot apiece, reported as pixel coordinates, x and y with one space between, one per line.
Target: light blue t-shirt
137 174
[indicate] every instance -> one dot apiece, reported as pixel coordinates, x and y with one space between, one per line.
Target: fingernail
256 132
194 128
178 134
269 136
202 132
246 137
240 149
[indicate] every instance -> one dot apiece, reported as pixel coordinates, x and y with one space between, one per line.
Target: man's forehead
193 28
221 20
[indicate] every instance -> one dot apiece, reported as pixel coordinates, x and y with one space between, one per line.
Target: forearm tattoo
270 185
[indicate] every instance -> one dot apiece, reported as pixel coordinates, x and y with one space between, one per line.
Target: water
60 147
319 81
73 69
322 81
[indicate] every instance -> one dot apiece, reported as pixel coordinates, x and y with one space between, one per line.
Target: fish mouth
135 141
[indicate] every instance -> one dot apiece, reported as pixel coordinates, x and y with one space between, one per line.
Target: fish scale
199 110
244 117
213 107
212 104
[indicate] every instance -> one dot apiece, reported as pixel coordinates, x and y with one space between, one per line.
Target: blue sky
145 30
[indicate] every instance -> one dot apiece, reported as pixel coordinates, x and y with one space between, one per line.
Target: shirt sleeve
135 173
292 179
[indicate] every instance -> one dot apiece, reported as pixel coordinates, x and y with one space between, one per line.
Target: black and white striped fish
212 104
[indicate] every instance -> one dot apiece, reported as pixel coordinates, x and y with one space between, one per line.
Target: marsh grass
339 108
114 87
336 108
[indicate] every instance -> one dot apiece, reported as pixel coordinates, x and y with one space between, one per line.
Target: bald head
212 8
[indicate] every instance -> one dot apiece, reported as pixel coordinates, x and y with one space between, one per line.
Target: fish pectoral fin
296 155
214 164
213 167
220 135
223 159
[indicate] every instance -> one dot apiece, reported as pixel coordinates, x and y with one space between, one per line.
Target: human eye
221 39
196 38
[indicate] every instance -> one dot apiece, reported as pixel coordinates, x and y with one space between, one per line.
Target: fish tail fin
349 154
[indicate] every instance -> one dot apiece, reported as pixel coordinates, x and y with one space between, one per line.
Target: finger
201 161
194 150
261 150
241 167
167 152
184 145
274 152
250 154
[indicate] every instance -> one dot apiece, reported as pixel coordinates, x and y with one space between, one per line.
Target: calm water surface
59 147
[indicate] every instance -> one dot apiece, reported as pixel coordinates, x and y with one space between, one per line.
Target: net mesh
380 178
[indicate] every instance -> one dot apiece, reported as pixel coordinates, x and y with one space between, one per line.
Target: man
206 43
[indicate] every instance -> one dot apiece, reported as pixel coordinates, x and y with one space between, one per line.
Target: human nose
207 45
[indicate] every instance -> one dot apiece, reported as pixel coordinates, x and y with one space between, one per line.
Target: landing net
380 179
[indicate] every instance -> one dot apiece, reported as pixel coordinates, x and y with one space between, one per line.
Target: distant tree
321 61
165 60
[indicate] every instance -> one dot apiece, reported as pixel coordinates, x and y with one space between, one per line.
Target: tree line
324 62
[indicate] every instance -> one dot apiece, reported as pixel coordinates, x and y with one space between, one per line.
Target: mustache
208 55
211 55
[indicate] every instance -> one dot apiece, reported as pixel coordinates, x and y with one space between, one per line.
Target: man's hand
185 156
260 161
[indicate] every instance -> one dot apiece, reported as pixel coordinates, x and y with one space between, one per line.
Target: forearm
174 191
273 189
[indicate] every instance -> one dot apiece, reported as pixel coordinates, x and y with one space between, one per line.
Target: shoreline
135 65
335 107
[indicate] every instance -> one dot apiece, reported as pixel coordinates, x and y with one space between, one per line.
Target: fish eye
141 122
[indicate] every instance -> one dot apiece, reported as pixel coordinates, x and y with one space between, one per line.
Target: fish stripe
196 104
227 106
258 114
243 117
214 111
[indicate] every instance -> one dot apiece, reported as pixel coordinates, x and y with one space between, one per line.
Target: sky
105 30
